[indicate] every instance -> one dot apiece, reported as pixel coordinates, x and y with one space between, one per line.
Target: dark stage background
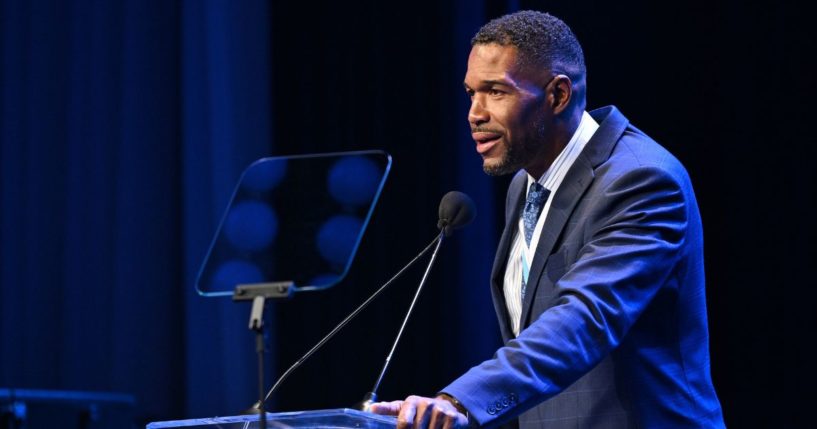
126 124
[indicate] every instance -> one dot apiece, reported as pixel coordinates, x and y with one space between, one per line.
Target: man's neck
562 132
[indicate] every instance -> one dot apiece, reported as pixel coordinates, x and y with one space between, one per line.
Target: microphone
456 210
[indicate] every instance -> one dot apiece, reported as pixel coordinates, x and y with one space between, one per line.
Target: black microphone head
456 211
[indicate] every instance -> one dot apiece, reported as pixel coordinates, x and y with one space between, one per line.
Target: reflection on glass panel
337 418
297 218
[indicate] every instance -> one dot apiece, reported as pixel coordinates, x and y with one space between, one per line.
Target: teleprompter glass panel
294 218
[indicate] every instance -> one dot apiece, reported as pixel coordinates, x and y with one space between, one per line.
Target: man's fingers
458 421
425 408
417 412
444 415
386 408
405 419
437 418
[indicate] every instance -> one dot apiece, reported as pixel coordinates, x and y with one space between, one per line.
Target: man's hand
417 412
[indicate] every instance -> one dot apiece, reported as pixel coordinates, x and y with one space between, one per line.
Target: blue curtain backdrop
225 97
126 124
124 127
91 202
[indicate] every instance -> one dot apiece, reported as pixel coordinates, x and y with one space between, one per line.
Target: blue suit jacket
614 319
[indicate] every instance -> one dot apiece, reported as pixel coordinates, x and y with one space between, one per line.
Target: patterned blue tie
537 196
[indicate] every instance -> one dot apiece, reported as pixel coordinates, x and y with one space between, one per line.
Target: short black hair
540 38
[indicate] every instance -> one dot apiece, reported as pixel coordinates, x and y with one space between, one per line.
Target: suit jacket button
491 410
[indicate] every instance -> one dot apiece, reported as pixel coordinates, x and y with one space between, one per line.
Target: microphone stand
456 210
371 396
260 404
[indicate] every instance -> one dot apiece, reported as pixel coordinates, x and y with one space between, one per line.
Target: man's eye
494 92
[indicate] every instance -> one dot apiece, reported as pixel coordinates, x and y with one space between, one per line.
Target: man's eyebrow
497 82
490 82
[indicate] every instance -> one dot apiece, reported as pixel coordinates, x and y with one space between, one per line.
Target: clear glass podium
337 418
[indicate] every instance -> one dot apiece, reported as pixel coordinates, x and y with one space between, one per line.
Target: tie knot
537 194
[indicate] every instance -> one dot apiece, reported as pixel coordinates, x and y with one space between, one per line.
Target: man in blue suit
598 280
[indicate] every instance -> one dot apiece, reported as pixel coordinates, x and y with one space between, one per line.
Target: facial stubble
518 154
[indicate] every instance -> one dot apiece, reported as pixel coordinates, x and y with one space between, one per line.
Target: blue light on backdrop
264 176
337 239
251 225
235 272
354 180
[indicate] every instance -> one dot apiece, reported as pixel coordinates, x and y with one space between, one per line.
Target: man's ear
560 93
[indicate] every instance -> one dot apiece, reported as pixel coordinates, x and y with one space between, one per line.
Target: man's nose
477 114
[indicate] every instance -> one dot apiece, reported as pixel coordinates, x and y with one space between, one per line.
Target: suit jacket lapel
578 178
516 192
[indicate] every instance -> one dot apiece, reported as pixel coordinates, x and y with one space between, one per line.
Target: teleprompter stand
259 294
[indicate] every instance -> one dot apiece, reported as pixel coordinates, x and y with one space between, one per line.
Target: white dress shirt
551 180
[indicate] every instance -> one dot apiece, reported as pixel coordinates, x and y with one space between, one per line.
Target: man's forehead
490 62
493 54
493 63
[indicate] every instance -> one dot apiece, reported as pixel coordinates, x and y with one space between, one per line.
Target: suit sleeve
635 238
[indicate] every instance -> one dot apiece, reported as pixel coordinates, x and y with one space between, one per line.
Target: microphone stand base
364 405
255 409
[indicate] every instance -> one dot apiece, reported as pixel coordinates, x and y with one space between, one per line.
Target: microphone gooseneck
371 397
340 325
456 210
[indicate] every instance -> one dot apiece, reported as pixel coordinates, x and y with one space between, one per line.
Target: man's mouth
485 140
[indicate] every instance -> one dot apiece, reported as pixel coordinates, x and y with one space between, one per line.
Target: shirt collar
587 126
